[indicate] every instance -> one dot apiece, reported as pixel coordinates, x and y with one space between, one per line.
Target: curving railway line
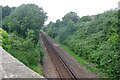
62 68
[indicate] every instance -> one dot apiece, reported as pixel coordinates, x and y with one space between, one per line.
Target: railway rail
62 68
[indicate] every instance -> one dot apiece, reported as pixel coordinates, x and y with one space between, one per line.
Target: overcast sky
56 9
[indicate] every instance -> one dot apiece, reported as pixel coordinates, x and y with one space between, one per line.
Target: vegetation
96 40
64 28
23 25
4 40
7 10
83 62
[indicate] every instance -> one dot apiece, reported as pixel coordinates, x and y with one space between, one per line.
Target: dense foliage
26 51
5 40
23 25
6 10
96 40
64 28
25 18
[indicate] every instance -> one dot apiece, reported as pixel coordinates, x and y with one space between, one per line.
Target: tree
70 16
58 23
66 31
24 18
7 10
85 19
0 16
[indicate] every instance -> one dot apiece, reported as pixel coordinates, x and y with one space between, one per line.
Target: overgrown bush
25 50
5 40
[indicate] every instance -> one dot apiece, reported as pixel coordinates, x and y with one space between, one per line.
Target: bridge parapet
10 67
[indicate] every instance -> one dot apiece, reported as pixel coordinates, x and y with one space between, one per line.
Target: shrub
5 40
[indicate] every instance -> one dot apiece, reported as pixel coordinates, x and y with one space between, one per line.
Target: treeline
6 10
96 40
23 25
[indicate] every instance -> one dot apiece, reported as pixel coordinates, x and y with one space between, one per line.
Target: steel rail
51 50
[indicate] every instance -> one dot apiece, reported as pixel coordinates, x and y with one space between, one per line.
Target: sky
56 9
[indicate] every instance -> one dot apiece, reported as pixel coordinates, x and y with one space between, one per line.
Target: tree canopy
7 10
70 16
24 18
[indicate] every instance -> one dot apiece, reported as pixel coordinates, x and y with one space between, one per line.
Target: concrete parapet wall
10 67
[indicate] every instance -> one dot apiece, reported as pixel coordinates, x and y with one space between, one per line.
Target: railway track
62 68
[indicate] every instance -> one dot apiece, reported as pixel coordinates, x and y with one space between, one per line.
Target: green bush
25 50
5 40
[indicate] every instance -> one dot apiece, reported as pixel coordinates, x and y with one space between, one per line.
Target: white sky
56 9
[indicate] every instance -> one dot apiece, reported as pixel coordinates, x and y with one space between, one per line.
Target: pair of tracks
62 68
